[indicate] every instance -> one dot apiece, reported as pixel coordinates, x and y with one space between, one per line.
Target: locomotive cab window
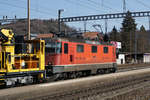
80 48
53 47
65 48
105 49
94 49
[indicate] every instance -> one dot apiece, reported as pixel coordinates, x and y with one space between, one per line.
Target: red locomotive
69 57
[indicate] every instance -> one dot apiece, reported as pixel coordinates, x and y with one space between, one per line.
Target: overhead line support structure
59 17
124 6
90 17
12 20
104 16
29 29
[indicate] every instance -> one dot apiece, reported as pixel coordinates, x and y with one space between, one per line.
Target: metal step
2 80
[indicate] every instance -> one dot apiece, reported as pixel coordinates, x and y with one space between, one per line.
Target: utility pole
124 6
149 22
135 46
29 37
59 23
106 25
102 3
85 26
130 44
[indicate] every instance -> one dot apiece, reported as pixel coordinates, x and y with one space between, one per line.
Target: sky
46 9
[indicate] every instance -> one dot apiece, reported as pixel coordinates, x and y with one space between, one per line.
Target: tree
114 35
143 40
106 38
128 33
142 29
37 26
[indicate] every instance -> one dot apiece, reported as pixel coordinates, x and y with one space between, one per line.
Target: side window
59 48
105 50
53 47
80 48
65 48
94 49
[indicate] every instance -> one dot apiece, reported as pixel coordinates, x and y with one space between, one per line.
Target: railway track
93 88
121 68
126 66
130 67
100 90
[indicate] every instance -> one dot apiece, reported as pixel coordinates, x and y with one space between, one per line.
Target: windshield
53 47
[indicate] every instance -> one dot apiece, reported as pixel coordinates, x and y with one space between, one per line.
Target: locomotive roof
78 40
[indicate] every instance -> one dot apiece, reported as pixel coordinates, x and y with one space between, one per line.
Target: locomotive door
68 53
71 54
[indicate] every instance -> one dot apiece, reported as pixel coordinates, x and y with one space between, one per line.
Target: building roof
91 35
49 35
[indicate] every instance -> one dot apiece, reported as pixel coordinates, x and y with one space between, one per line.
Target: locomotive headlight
23 63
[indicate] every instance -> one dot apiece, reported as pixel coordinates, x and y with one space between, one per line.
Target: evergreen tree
106 38
128 33
114 35
143 40
142 29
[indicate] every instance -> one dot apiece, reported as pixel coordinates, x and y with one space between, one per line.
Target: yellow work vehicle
18 63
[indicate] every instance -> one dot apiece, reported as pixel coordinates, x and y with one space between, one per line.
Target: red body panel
86 57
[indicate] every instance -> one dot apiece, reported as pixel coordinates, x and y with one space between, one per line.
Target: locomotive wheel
73 75
78 74
101 71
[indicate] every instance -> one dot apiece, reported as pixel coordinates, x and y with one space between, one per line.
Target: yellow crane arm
6 35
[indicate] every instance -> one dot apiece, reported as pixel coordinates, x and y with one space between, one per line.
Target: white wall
121 59
146 58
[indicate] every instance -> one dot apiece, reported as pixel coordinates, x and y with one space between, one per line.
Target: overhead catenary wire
85 5
103 5
90 4
43 7
32 9
144 5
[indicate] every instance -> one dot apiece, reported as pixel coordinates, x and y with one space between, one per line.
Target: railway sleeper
97 89
116 87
